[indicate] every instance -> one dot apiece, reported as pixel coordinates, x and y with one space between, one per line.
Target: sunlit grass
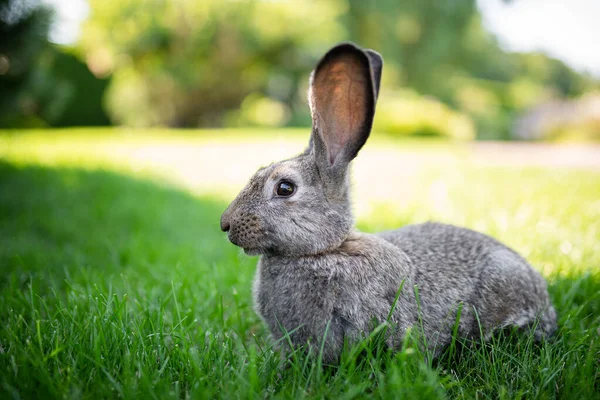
116 281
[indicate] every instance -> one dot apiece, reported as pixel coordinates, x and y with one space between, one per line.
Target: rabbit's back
434 246
453 265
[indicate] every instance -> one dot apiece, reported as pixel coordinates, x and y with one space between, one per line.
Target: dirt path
382 172
536 154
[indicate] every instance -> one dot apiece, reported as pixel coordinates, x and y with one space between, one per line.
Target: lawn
117 282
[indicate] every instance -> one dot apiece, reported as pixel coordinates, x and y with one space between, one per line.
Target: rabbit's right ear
342 95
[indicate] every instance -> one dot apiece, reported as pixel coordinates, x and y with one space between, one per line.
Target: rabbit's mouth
252 252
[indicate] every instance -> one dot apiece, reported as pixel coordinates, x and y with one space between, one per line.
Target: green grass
118 283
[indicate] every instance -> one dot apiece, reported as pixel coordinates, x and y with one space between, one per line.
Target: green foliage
441 49
189 63
82 93
23 30
407 113
246 63
42 84
115 285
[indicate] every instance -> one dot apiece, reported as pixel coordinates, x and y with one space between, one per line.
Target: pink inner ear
340 96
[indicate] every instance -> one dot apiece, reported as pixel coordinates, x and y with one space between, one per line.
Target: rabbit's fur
321 281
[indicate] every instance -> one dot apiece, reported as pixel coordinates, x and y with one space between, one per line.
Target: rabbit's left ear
376 63
343 92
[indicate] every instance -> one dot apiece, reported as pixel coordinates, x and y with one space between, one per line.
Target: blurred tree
24 28
441 48
41 84
83 92
423 38
245 62
184 63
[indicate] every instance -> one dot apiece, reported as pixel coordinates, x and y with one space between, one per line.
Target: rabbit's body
318 279
452 264
344 292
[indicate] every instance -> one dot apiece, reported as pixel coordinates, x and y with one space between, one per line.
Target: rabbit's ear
376 67
342 96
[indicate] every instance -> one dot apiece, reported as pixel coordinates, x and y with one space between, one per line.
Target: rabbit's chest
293 297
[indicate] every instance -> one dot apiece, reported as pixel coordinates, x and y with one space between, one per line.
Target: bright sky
565 29
69 16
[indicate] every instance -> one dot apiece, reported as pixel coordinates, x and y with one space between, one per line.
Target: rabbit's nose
225 225
225 218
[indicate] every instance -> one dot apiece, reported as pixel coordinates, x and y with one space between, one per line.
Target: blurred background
464 69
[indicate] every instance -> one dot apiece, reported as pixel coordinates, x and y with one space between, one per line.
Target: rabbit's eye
285 189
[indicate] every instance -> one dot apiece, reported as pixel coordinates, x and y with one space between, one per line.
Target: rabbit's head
301 206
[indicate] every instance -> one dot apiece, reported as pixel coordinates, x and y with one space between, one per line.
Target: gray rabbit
321 281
